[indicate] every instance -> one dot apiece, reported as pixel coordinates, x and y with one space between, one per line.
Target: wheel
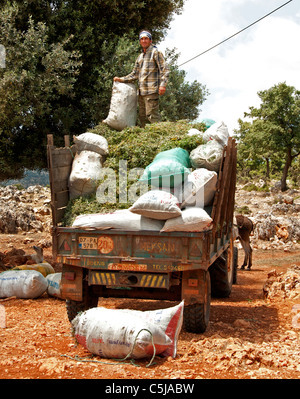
222 274
88 301
196 316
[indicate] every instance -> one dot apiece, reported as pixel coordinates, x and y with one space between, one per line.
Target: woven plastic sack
54 288
121 220
218 132
91 142
208 156
44 268
123 106
198 189
157 204
168 169
118 333
192 219
22 284
85 173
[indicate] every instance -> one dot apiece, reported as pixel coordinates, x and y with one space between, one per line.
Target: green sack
168 169
208 122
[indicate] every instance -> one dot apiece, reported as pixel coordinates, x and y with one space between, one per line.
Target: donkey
245 227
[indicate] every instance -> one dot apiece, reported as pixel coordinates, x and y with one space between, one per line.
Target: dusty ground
248 336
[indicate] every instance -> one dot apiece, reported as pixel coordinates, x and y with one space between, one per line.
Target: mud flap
71 282
193 286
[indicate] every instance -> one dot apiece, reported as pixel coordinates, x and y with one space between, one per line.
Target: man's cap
145 33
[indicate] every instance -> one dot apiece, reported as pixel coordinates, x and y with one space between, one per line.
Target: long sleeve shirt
150 70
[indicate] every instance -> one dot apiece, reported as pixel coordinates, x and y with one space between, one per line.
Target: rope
89 360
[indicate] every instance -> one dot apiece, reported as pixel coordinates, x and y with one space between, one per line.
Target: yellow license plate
88 243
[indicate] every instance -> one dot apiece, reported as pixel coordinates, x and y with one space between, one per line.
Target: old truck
170 266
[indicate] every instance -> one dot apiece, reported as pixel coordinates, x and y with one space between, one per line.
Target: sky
262 56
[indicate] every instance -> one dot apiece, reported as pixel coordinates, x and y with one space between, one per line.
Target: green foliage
243 210
48 89
138 147
272 139
36 74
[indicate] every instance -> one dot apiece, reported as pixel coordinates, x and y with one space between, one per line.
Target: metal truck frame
145 264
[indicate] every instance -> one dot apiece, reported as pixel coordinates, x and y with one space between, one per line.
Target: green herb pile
138 146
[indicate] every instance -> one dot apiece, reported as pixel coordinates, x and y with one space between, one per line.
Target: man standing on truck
152 72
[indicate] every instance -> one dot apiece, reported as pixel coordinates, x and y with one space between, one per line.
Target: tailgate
133 251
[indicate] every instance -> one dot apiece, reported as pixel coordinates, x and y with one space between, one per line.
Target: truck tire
88 301
222 275
196 316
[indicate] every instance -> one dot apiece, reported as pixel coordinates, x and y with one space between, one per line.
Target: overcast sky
260 57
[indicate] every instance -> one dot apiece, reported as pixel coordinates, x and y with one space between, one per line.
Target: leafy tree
71 97
36 75
182 99
274 130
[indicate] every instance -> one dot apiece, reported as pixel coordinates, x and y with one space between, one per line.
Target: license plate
87 242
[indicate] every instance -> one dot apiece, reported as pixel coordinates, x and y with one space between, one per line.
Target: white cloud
258 58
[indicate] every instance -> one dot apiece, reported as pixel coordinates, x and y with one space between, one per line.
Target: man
151 71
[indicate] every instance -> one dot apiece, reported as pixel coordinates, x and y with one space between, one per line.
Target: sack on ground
123 106
208 156
198 189
85 174
45 268
26 284
218 132
121 220
54 288
168 169
192 219
157 204
91 142
116 333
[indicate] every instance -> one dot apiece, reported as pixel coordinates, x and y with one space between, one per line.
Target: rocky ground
254 334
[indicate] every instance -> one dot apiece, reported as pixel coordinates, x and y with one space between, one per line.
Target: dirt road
248 336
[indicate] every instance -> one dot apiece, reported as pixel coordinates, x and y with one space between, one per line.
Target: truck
171 266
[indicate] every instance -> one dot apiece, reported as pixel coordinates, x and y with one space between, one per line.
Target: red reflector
70 275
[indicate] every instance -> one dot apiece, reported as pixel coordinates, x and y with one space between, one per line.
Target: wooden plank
230 211
227 179
61 199
61 157
59 185
61 173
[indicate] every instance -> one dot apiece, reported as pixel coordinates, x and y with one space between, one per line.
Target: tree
182 99
97 27
36 75
104 33
275 128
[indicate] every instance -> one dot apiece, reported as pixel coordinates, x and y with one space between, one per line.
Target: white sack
122 220
194 132
123 106
85 173
198 189
218 131
157 204
114 333
208 156
91 142
54 281
22 284
192 219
